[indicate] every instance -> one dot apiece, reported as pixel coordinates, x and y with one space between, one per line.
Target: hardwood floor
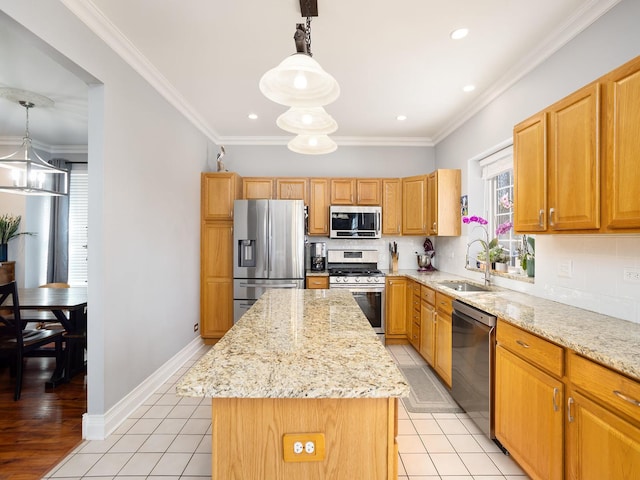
41 428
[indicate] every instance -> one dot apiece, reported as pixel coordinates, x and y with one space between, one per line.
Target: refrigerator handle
267 246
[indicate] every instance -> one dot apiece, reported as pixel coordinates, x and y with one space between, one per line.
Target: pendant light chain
308 36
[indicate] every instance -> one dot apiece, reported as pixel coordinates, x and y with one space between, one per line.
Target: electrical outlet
631 275
195 327
565 269
303 447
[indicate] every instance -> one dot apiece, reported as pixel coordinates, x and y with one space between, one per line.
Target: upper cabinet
391 206
355 191
621 201
319 206
575 163
292 189
557 166
443 203
414 205
219 190
254 188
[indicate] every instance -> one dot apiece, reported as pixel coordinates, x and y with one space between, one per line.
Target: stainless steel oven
356 270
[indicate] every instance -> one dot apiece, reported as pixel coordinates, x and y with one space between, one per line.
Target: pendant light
302 84
26 172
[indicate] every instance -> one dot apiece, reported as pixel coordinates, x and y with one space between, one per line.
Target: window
78 224
497 171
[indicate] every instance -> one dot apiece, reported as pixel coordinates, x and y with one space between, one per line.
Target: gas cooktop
352 272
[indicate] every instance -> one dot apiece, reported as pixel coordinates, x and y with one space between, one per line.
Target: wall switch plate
565 269
303 447
631 275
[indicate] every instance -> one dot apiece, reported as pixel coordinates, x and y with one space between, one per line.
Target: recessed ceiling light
253 116
459 33
401 118
468 88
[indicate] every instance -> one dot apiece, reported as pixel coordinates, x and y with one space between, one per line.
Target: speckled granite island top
608 340
298 344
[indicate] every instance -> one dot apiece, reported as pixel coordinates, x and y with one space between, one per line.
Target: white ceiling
389 58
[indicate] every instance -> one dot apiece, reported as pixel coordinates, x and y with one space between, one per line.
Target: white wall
597 262
144 207
347 161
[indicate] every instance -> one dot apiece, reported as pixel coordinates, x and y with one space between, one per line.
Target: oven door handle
364 290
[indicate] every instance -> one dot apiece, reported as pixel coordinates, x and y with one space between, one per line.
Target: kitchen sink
465 287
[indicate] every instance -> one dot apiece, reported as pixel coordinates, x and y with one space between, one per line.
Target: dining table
69 308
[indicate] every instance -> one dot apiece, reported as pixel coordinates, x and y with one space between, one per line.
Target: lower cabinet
529 403
427 329
317 282
395 309
603 423
581 422
442 360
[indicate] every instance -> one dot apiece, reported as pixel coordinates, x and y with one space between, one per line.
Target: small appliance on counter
425 260
318 256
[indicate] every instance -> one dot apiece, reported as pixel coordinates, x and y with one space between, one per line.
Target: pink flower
474 219
505 201
503 228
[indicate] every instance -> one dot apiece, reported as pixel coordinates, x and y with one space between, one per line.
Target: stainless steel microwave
355 222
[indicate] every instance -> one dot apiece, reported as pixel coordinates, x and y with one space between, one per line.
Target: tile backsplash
586 271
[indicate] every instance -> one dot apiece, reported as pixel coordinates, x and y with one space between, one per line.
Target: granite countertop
298 344
316 273
608 340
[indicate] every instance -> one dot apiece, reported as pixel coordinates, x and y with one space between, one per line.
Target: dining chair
16 342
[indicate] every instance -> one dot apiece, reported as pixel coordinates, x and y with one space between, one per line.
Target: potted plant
527 255
9 225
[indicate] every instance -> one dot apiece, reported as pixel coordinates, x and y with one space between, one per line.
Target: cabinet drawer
609 387
443 303
428 295
317 282
532 348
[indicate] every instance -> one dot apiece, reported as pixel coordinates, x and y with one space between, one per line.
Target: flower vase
4 248
531 267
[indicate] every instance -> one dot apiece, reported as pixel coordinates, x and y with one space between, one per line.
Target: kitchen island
301 387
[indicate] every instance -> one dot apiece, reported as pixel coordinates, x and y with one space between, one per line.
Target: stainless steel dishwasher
473 342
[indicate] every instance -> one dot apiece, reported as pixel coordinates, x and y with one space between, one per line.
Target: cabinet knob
541 218
551 212
569 404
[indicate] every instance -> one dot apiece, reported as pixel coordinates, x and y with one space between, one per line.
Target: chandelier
301 83
26 172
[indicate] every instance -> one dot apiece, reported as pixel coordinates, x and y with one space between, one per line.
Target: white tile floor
169 437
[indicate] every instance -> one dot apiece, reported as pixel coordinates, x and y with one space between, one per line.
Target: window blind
78 224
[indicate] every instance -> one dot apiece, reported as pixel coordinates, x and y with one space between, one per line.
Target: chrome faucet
487 264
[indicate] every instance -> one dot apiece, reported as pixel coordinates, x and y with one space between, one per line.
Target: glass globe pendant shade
312 144
307 120
299 81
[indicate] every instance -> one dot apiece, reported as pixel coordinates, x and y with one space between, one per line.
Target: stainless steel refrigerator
268 249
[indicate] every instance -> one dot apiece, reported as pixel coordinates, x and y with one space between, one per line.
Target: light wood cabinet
343 191
414 205
395 308
317 282
292 189
603 423
368 191
557 166
442 360
427 325
319 206
355 191
574 161
443 203
413 314
529 415
621 201
391 206
530 174
255 188
218 191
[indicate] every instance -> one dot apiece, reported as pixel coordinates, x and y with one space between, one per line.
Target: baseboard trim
99 427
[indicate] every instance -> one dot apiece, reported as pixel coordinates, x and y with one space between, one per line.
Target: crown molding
341 141
99 24
14 141
579 21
